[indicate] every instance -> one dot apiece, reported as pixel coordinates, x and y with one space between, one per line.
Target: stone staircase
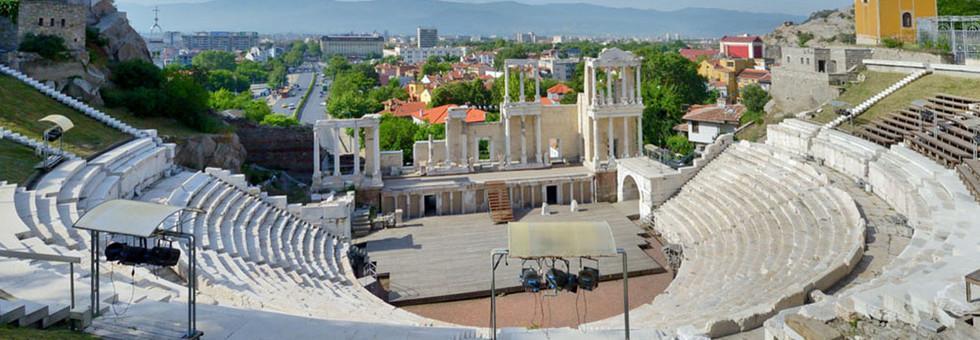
867 104
498 198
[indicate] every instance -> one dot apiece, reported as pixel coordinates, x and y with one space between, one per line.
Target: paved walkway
447 257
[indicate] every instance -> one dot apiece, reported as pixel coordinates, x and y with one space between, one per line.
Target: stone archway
629 191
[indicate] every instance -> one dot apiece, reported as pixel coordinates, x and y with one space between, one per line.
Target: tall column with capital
595 141
506 84
638 86
639 135
624 95
537 84
523 140
609 89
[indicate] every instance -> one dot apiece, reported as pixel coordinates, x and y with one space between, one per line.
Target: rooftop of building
715 113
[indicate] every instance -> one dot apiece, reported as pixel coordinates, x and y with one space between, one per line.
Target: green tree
279 120
436 65
135 73
336 65
462 93
959 7
9 9
438 131
185 100
224 79
351 105
679 144
383 93
497 90
398 134
214 60
252 71
754 98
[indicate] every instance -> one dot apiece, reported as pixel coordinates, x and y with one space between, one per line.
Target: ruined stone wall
62 18
289 149
8 34
795 91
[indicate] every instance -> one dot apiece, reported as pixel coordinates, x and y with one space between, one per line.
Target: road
313 111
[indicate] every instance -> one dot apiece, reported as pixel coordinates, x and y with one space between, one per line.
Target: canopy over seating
560 239
125 217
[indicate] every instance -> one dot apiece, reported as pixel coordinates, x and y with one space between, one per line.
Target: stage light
130 255
588 278
556 278
572 284
530 280
53 134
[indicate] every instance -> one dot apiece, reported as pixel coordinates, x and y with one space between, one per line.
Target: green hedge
8 9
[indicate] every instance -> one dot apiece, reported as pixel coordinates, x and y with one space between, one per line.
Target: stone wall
795 91
8 34
62 18
289 149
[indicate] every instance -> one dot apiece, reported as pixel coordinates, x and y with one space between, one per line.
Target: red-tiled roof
560 89
741 39
437 115
751 73
693 54
715 113
408 109
547 101
682 127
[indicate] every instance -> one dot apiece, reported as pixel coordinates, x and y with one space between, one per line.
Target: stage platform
447 258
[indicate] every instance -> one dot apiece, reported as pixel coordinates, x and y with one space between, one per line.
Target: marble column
537 136
595 141
626 137
609 135
336 151
521 79
316 154
639 134
506 84
357 152
595 88
537 84
506 140
609 86
624 96
638 86
376 146
523 140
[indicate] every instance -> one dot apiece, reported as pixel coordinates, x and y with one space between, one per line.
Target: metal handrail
71 260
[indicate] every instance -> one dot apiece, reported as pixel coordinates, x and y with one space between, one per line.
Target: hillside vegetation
18 162
21 107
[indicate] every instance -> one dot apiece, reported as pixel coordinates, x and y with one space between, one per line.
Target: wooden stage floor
447 258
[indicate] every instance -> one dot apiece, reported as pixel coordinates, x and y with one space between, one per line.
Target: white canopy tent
141 220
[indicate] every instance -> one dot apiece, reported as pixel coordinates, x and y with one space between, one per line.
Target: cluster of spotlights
130 255
558 280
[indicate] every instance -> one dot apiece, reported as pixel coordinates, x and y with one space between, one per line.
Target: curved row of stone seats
78 105
925 281
34 144
793 135
759 230
284 263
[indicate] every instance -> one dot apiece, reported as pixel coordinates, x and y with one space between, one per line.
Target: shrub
279 120
92 35
679 144
892 43
803 37
48 46
132 74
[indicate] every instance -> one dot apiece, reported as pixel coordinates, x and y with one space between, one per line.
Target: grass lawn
21 106
16 162
53 333
923 88
756 132
855 94
164 126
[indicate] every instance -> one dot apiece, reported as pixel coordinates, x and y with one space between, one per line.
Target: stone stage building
552 154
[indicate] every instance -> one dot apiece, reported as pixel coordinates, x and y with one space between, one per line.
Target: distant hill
402 16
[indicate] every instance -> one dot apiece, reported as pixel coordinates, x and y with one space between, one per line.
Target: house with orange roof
751 76
696 54
557 92
437 115
704 123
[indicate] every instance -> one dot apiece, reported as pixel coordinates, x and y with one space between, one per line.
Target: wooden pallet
498 198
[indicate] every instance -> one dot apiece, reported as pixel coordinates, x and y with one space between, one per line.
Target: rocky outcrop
823 28
202 151
123 42
74 77
8 34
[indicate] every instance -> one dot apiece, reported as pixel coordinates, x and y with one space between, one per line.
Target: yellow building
875 20
725 71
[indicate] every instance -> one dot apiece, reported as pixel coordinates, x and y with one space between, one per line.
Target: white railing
38 146
867 104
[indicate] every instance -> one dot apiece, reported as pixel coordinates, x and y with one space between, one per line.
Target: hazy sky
799 7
